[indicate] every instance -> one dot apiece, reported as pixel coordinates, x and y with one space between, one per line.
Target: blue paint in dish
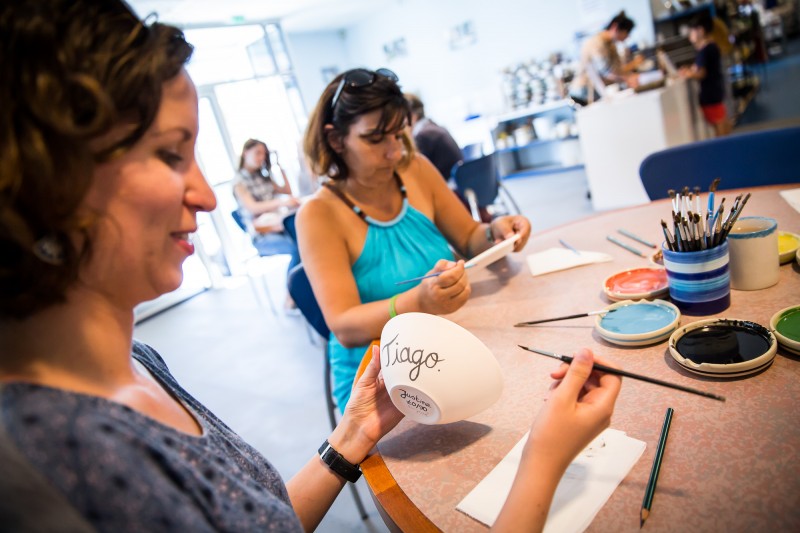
638 318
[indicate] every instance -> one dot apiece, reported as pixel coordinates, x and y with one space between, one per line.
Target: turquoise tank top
404 247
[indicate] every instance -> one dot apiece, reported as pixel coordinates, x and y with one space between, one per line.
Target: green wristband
392 308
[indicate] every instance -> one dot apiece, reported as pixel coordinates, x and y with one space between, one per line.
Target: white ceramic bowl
722 344
788 344
437 372
638 323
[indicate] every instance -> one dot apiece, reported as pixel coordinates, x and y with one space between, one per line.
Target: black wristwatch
339 464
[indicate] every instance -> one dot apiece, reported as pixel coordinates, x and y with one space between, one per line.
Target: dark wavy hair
249 143
622 22
383 94
71 71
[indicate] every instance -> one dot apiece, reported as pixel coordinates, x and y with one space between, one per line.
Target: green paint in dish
789 324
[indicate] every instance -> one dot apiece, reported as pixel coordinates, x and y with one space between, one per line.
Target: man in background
432 140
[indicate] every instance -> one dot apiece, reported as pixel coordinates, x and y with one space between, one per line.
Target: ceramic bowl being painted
638 323
723 347
637 284
785 325
788 245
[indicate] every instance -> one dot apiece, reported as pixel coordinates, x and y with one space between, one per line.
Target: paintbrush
543 320
420 278
617 372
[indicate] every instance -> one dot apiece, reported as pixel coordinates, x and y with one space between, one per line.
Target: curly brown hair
382 93
71 71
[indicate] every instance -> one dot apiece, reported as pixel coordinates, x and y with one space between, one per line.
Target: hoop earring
49 250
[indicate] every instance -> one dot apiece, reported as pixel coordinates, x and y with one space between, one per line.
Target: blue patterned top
123 471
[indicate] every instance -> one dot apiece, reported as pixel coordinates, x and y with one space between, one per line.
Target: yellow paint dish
788 245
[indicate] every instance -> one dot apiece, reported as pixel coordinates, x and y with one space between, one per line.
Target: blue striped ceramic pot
699 282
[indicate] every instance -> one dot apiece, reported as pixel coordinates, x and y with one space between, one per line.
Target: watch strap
338 463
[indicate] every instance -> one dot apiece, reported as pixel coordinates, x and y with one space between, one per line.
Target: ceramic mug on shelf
699 282
435 371
755 260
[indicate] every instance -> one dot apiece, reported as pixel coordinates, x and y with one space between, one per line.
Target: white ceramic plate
495 253
638 323
724 345
790 345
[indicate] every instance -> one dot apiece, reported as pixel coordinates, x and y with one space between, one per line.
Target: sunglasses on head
360 77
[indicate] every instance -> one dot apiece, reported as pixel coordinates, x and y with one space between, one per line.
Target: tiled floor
261 373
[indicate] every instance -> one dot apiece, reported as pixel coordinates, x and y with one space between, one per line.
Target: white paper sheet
555 259
588 483
792 196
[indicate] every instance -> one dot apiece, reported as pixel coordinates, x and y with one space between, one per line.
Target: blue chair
303 296
472 151
740 160
289 228
478 182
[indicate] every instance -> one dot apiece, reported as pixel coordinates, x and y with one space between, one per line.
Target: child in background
707 69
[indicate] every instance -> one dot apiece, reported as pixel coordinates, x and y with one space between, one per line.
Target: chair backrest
480 176
288 226
472 151
743 160
303 296
237 217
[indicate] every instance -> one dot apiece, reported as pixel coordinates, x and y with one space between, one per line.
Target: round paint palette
723 347
636 284
788 245
785 325
639 323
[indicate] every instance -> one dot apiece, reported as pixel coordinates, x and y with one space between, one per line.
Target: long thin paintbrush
607 369
543 320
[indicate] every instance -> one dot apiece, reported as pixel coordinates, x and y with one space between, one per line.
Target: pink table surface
730 466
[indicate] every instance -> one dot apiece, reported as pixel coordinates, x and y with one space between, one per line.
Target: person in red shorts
707 69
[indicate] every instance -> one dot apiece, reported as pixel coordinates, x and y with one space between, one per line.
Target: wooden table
730 466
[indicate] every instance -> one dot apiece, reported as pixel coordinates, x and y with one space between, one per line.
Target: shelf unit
541 152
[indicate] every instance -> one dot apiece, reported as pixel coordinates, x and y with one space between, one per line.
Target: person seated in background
264 202
435 142
432 140
95 432
599 59
707 70
385 215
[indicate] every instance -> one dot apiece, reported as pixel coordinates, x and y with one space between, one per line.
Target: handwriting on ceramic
407 354
415 401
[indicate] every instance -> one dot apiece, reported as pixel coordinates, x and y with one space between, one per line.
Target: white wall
457 83
311 52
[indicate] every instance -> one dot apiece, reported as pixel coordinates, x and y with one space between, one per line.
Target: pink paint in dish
636 283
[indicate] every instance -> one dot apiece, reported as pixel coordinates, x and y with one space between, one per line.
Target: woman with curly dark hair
99 193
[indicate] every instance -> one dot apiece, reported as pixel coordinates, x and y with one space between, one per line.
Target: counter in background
618 132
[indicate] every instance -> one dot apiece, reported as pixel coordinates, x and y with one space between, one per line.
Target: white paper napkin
792 196
555 259
588 483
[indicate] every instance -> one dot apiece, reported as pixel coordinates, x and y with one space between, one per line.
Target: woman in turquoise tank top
385 215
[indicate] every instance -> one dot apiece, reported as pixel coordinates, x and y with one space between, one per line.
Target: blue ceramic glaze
638 318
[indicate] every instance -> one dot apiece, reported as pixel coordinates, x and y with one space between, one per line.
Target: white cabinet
618 133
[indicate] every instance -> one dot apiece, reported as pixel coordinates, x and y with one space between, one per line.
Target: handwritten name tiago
393 352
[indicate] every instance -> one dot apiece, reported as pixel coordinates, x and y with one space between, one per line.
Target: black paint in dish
724 343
